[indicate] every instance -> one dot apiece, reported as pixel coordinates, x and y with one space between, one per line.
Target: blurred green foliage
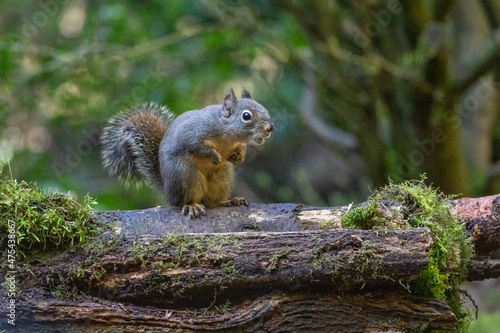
486 323
66 67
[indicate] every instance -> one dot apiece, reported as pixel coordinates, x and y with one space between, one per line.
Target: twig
204 311
489 11
488 62
466 294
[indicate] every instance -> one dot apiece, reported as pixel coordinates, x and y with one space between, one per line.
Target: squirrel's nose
269 127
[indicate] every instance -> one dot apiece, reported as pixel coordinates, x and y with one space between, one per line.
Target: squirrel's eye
246 116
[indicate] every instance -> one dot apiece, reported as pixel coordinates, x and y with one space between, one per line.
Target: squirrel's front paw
194 210
236 201
215 158
238 155
236 158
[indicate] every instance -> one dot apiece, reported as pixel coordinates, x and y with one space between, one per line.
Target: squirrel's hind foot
236 201
194 211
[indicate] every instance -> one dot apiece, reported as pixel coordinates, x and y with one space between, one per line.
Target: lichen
419 205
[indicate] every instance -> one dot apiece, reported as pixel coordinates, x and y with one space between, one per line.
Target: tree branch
489 11
329 134
487 62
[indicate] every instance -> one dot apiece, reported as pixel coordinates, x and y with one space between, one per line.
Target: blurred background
359 91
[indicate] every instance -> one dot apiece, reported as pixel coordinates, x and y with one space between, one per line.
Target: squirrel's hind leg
219 188
184 187
220 183
194 210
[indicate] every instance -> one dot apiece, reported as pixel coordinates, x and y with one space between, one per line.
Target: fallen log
271 313
261 268
188 270
482 217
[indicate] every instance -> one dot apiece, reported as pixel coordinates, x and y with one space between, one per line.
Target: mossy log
256 269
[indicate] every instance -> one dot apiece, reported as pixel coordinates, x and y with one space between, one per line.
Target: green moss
273 262
366 261
60 292
365 217
78 272
162 265
43 220
216 245
423 206
373 215
185 250
101 245
190 250
223 308
142 252
228 267
97 271
325 224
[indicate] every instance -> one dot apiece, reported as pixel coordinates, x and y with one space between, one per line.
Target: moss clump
41 220
372 215
423 206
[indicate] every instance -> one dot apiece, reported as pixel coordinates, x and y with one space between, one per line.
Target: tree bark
187 270
272 313
256 269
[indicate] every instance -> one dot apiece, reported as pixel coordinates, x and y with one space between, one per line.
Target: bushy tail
131 142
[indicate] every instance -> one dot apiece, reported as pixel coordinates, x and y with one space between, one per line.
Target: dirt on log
254 269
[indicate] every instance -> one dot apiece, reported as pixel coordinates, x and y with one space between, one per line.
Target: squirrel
191 157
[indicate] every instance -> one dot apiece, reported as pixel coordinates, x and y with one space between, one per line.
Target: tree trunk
256 269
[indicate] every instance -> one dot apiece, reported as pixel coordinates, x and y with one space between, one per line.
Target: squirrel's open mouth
258 140
260 137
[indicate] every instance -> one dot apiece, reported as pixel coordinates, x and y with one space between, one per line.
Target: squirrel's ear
245 94
229 104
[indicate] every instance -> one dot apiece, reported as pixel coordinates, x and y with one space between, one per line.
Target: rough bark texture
158 271
272 313
483 222
189 270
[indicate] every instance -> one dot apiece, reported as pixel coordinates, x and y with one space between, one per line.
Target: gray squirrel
191 157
